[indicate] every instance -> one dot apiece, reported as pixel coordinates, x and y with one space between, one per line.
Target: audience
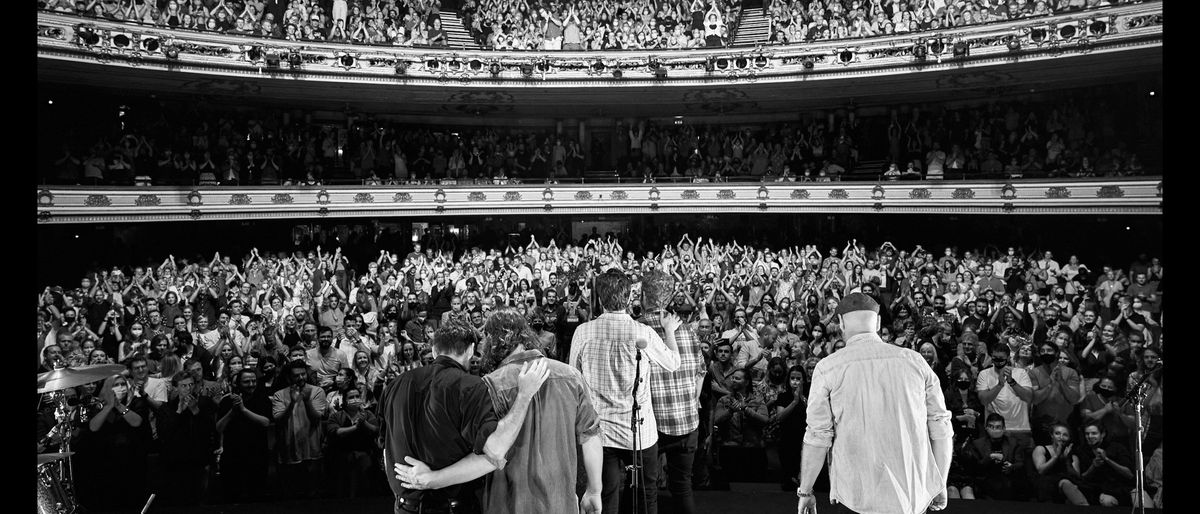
165 143
762 315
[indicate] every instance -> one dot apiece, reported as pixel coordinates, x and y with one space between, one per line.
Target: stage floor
742 497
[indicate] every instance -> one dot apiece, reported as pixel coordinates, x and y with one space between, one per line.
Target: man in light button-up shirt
881 409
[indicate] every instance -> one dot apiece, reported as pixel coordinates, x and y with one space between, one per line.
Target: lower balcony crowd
1092 132
205 342
556 25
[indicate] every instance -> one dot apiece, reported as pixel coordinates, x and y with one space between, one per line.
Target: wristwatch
801 494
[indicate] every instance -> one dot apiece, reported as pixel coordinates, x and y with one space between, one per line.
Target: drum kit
56 483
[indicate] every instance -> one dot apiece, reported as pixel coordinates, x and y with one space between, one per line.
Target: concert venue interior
212 173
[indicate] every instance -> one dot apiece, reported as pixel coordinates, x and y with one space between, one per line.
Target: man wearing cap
881 410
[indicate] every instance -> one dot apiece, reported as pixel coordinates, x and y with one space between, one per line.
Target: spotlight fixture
527 70
150 44
401 67
255 54
543 66
846 56
172 52
919 51
121 40
1038 35
295 60
598 66
808 63
273 60
432 64
741 63
347 60
710 65
476 65
961 49
1067 31
1014 44
87 35
937 47
617 74
761 61
1098 27
660 72
722 63
496 69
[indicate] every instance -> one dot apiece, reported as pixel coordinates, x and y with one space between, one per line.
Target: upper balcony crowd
557 25
1098 131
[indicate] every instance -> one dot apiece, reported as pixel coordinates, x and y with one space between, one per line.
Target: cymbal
64 378
44 458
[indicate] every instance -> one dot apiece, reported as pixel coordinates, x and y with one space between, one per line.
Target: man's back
437 414
540 474
886 405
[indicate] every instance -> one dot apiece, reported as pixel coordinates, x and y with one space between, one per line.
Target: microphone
642 344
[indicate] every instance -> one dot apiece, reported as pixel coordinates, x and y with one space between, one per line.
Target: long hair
504 330
170 366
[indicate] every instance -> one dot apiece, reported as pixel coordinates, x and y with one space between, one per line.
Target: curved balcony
1080 46
100 205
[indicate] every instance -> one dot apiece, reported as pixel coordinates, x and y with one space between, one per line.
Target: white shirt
878 406
1007 403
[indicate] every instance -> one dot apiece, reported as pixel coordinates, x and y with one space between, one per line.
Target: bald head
859 322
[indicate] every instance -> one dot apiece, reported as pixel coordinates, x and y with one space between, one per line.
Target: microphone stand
635 469
1138 395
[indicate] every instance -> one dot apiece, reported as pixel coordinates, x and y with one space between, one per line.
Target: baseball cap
857 302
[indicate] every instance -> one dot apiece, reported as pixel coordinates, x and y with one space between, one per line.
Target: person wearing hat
881 410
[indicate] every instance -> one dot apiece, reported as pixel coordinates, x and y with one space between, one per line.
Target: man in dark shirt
1106 466
439 414
187 431
242 420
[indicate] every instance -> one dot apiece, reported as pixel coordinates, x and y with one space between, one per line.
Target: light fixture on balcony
194 198
439 196
121 40
171 51
476 65
254 54
432 64
1098 28
323 197
543 66
1067 32
87 35
527 70
547 194
808 62
761 61
660 72
937 47
962 49
150 44
763 193
401 67
295 60
722 63
741 63
710 65
598 66
1014 43
655 195
272 59
617 73
1037 35
846 56
496 69
919 51
347 61
877 193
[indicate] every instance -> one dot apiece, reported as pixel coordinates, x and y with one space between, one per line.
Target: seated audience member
1106 467
1057 467
999 459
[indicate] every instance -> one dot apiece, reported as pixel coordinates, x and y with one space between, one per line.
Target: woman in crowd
788 416
740 418
1057 466
350 437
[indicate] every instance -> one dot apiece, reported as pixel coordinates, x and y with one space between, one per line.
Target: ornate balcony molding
77 38
80 204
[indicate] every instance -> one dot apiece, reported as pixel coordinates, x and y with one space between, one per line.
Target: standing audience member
297 411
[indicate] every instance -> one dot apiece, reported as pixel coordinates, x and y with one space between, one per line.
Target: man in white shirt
880 408
1008 391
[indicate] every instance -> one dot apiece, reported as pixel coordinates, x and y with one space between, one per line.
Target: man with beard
297 411
1056 388
415 328
441 415
325 359
242 420
536 478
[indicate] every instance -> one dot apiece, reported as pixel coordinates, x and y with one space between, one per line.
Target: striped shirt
604 350
885 405
676 394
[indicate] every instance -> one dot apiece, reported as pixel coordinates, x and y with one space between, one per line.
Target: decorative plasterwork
74 204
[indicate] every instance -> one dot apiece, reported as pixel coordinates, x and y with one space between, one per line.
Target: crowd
1074 133
260 376
601 25
799 21
588 25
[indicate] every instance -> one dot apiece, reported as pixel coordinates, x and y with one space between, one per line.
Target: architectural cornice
115 205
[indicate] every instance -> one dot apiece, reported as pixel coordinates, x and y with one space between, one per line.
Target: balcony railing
105 205
74 38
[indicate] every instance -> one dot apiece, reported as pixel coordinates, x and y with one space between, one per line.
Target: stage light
543 66
347 60
87 36
846 56
1037 35
496 69
121 40
722 63
1098 27
273 60
937 47
401 67
1067 32
598 66
527 70
432 64
1014 44
709 65
295 59
741 63
808 63
150 44
476 65
254 54
172 52
961 49
617 74
760 61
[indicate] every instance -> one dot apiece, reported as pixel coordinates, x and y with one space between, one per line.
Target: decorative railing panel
96 205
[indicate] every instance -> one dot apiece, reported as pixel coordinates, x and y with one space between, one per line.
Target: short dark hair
1002 348
293 365
324 329
612 290
995 416
454 337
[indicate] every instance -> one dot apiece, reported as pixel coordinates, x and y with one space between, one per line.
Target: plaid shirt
676 393
604 350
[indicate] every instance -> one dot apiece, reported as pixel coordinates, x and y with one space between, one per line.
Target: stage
755 498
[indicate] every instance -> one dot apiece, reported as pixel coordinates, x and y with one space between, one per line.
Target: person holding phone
999 459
